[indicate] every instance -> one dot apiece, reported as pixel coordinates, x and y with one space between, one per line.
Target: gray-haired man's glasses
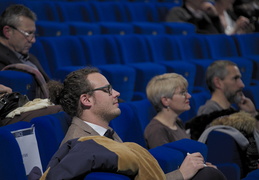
28 35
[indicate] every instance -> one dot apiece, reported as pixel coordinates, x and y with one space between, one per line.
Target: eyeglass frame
24 33
103 88
182 93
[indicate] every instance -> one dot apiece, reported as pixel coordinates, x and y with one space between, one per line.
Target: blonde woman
169 95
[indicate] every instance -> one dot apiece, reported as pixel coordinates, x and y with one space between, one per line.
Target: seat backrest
38 50
141 12
164 48
100 49
50 131
109 11
11 160
84 28
145 112
128 126
221 46
63 51
179 28
50 28
222 148
133 49
45 10
194 46
189 146
148 28
75 11
247 44
19 81
169 159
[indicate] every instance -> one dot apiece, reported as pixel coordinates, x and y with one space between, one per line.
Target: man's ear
217 82
86 100
7 31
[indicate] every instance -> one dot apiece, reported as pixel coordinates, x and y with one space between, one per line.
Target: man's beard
234 97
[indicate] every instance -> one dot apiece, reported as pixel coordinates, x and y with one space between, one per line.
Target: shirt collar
100 130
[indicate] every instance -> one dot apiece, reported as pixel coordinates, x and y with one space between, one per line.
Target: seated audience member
88 97
249 9
169 95
17 35
5 89
193 11
231 23
224 81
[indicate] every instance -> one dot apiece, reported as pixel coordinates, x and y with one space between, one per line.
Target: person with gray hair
17 35
224 81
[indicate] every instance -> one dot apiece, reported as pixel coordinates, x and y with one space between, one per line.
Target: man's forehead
97 79
233 71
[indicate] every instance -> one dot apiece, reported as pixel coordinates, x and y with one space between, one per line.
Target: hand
247 105
243 25
209 9
191 165
5 89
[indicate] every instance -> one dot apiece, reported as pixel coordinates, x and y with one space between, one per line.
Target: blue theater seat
148 28
45 10
141 12
222 148
19 81
252 175
125 123
50 28
102 52
11 161
119 28
50 131
65 54
105 176
135 53
109 11
169 159
248 47
38 50
180 28
165 50
75 11
84 28
145 112
194 49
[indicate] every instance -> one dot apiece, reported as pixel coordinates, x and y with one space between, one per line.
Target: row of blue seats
94 11
130 61
50 131
50 28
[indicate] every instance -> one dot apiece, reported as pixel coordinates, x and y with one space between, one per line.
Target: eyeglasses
183 93
106 89
28 35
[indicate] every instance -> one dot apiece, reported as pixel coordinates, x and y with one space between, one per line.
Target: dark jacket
205 25
8 57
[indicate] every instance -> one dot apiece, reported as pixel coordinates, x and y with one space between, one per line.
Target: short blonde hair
164 86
